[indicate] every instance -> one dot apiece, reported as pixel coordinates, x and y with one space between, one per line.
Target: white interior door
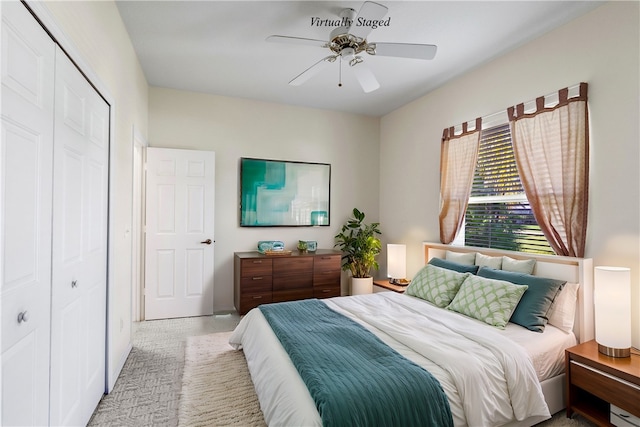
79 258
25 216
179 233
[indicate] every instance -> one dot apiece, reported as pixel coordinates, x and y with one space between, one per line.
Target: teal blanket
354 378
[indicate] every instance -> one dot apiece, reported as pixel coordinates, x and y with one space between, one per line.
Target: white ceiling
219 47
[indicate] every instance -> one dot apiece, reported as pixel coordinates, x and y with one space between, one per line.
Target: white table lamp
612 299
396 261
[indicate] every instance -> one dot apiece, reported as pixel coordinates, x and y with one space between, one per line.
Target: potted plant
360 246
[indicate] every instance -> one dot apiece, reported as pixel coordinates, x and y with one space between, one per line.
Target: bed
490 376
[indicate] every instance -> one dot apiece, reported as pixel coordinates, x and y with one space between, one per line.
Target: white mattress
405 323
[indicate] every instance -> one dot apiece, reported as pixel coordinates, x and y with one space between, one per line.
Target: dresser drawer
253 299
292 266
256 284
292 281
292 295
607 387
256 267
323 263
326 291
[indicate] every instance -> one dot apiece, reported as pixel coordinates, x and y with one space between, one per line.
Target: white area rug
217 388
216 385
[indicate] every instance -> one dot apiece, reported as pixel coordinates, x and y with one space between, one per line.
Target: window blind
499 214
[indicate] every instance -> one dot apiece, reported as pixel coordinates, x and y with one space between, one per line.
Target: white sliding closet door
79 271
25 216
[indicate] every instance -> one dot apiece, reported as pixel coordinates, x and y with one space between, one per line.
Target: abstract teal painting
277 193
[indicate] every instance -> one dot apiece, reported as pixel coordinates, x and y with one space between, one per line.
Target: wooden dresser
261 279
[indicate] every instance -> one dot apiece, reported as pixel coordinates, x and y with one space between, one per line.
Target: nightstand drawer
622 418
606 386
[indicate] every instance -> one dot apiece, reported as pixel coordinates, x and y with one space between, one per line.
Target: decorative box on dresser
261 279
603 389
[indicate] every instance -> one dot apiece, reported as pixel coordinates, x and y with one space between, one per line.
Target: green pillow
532 311
491 301
455 266
436 285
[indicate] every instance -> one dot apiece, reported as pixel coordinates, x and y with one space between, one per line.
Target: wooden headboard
576 270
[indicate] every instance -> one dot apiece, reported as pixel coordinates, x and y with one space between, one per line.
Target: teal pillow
491 301
436 285
455 266
532 311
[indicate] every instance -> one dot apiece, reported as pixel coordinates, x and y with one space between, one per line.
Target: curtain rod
501 117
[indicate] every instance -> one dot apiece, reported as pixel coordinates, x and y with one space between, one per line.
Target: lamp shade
396 261
612 299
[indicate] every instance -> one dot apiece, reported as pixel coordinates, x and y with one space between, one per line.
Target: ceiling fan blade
365 77
297 40
370 11
312 71
406 50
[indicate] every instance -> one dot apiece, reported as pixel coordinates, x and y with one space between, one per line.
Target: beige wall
235 128
601 48
96 38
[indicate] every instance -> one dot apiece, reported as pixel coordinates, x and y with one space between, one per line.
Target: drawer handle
326 257
324 291
257 297
257 278
328 272
259 261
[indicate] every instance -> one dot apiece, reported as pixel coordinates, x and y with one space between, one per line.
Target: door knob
23 316
207 242
74 283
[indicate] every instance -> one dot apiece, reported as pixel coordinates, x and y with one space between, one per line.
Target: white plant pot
361 286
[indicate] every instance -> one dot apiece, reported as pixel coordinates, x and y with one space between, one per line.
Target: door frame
138 156
47 20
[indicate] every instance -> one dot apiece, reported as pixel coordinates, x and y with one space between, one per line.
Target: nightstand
389 287
596 381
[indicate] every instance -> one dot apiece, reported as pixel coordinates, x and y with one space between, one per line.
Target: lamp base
614 352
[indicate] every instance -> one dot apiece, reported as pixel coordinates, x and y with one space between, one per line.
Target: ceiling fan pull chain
340 73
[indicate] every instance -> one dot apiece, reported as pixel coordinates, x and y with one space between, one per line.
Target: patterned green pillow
489 300
436 285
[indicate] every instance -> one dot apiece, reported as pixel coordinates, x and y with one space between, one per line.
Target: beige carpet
216 385
217 388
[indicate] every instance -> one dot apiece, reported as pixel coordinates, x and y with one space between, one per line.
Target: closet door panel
26 135
79 247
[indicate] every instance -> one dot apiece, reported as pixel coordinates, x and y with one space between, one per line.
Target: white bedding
493 381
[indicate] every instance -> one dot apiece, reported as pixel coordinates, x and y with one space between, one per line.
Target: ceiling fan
347 41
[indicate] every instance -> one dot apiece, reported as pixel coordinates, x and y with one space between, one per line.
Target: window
498 214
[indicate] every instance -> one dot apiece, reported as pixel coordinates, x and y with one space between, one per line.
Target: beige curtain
551 148
458 157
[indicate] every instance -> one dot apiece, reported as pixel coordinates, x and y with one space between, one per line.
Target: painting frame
284 193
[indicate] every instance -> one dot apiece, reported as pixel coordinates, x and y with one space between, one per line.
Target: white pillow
494 262
461 258
563 309
518 265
